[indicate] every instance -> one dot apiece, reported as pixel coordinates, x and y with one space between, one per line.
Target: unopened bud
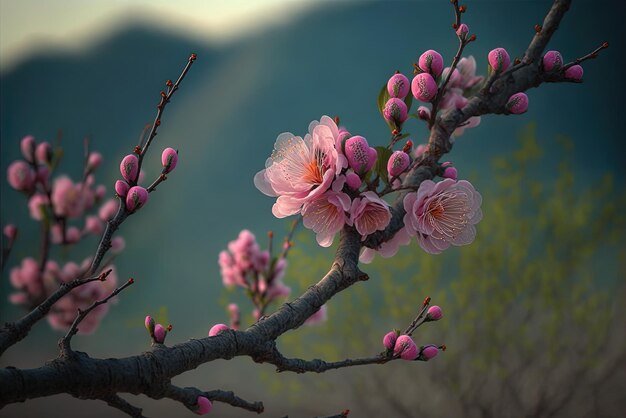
159 334
389 340
424 87
149 323
136 198
398 86
395 111
499 59
450 173
169 158
216 329
21 176
94 161
462 31
575 72
428 352
405 347
27 146
397 163
204 404
361 157
431 62
129 168
518 103
353 180
10 231
434 313
43 153
552 61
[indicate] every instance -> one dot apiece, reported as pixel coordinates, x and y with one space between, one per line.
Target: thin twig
188 396
593 54
117 402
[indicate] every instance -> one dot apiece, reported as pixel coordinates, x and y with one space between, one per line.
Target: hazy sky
27 25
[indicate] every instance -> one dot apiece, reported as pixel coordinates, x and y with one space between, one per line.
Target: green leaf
381 162
408 101
383 97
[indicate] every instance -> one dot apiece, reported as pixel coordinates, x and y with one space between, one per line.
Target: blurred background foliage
533 308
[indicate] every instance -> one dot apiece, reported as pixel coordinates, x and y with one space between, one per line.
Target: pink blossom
10 231
169 159
361 157
149 323
387 249
462 31
21 176
428 352
217 328
72 235
419 150
94 161
455 78
326 215
321 315
398 162
121 188
405 347
423 113
467 73
67 198
36 205
431 62
93 225
129 167
472 122
27 146
434 313
27 277
389 340
441 214
159 334
552 61
395 111
235 316
424 87
108 209
398 86
499 59
56 233
136 198
353 180
204 405
518 103
300 170
575 72
117 245
369 213
277 289
43 153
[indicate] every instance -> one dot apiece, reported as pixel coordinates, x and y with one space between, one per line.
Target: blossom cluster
402 345
69 212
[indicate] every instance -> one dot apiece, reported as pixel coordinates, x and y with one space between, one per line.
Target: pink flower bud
423 113
353 180
395 111
94 161
121 188
398 86
21 176
462 31
169 158
434 313
37 204
359 154
518 103
101 191
552 61
499 59
117 245
216 329
405 347
398 162
43 153
27 146
129 168
107 210
450 173
142 176
149 322
389 340
72 235
204 405
428 352
424 87
431 62
575 72
93 225
10 231
159 334
43 174
137 197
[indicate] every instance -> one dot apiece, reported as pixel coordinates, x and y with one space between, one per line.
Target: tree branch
117 402
188 396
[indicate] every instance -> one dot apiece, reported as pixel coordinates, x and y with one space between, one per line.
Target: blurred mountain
239 96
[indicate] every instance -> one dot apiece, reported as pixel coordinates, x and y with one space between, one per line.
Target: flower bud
405 347
117 245
129 168
27 146
398 162
107 210
121 188
431 62
159 334
94 161
101 191
21 176
353 180
395 111
424 87
499 59
93 225
137 197
43 153
575 72
389 340
462 31
43 174
434 313
10 231
149 322
450 173
360 156
518 103
169 158
428 352
423 113
552 61
72 235
204 405
398 86
216 329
